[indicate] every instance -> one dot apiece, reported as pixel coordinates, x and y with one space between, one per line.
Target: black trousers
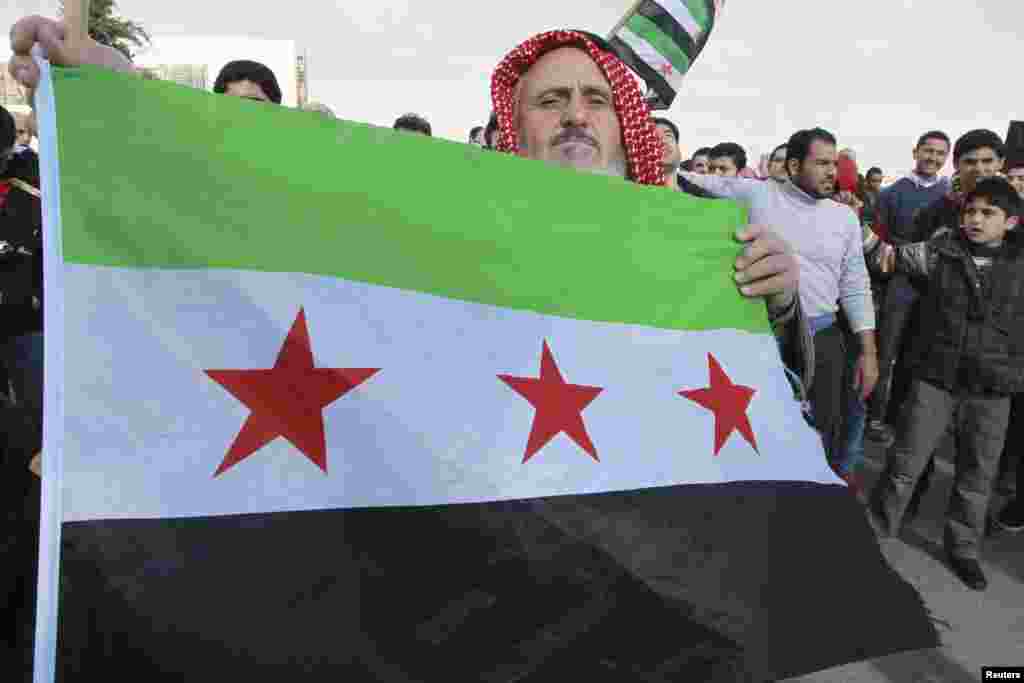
1013 459
827 393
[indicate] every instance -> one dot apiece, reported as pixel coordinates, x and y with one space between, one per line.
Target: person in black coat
21 390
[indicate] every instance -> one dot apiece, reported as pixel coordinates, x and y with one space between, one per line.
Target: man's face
777 165
565 114
724 166
670 148
816 175
1016 178
700 164
246 89
978 164
874 182
930 156
985 224
24 130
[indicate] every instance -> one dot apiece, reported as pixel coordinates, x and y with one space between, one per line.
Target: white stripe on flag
146 428
651 56
681 13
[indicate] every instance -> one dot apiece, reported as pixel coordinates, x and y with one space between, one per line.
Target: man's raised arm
722 187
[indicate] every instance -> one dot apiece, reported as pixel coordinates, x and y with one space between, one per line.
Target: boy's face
985 224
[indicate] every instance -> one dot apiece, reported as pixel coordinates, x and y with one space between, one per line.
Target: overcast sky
875 72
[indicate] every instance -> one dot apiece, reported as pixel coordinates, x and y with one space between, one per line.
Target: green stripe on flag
674 20
156 175
700 12
665 46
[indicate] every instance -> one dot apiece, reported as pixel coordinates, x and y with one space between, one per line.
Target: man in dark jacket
21 362
896 209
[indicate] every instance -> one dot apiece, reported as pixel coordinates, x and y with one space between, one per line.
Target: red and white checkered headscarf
639 135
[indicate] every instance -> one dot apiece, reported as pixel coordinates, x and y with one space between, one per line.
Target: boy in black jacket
967 360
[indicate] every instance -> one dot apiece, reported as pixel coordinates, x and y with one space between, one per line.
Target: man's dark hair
772 155
873 170
933 135
8 130
490 130
246 70
799 145
474 131
687 166
731 150
702 152
413 122
659 121
978 139
997 192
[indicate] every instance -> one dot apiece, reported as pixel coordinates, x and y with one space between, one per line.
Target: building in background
195 61
192 75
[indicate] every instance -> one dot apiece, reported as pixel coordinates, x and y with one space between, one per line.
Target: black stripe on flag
710 5
725 582
656 83
670 27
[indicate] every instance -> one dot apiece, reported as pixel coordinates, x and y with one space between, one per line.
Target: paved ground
977 629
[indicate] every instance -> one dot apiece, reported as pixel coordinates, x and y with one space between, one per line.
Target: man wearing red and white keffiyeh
565 98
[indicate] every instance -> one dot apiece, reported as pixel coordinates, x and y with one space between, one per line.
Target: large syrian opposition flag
327 402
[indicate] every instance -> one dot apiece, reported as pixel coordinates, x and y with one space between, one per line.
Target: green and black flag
660 40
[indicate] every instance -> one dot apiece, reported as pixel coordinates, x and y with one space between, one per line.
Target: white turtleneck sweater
825 236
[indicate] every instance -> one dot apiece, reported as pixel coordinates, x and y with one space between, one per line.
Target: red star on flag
667 69
287 400
558 404
728 402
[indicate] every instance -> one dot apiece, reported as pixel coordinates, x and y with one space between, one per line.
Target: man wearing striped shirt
828 242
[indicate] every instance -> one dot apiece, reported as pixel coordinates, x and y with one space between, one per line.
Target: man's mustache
574 135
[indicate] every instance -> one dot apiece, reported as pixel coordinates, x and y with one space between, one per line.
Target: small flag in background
660 40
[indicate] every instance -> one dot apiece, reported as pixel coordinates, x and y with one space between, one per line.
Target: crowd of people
898 310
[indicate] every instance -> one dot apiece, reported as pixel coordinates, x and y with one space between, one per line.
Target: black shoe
969 571
880 433
1011 518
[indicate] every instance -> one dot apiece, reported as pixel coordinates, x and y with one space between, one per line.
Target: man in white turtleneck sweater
828 242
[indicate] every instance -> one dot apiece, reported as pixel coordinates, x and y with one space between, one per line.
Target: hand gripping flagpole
76 21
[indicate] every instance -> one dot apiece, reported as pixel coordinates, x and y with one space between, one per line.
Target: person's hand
866 374
767 267
46 38
888 258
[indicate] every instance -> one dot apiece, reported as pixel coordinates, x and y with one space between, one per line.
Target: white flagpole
76 17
